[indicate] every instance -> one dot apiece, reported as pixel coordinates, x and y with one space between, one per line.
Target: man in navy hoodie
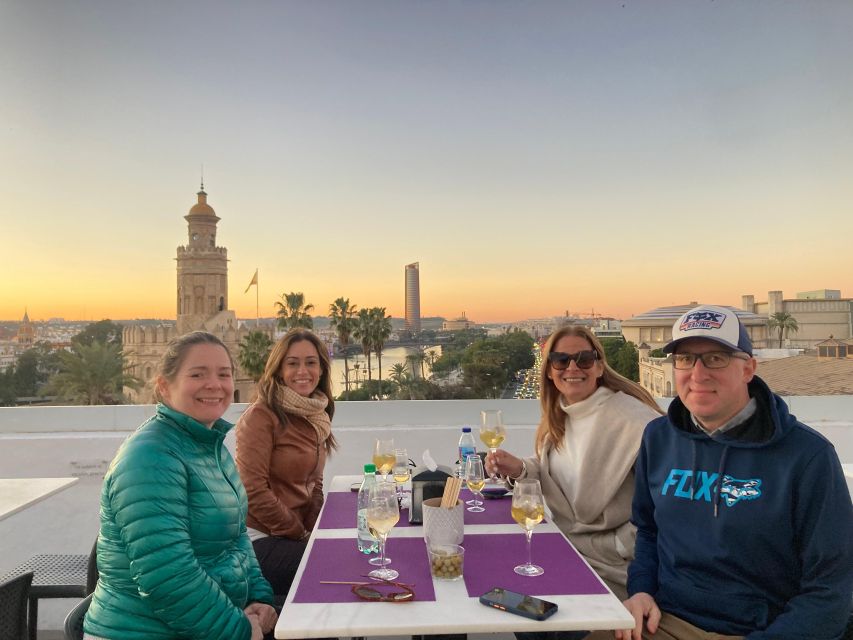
743 516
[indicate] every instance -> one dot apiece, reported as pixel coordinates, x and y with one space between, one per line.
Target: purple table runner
339 559
490 559
339 511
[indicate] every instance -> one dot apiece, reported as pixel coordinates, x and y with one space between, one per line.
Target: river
390 357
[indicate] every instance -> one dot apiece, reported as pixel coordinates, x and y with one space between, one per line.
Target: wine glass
382 514
492 431
383 456
476 480
528 509
401 471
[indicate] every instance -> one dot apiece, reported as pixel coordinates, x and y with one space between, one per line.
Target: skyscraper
413 298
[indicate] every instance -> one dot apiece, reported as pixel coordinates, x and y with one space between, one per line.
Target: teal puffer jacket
174 558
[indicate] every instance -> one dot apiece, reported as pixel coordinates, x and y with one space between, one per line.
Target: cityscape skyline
611 157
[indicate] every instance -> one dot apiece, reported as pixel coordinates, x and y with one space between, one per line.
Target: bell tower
202 269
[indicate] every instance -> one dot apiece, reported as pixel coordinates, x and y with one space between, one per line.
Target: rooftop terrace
50 442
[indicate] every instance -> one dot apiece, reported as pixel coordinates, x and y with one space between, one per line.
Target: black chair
56 576
74 620
13 607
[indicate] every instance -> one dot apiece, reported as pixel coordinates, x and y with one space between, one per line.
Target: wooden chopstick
451 493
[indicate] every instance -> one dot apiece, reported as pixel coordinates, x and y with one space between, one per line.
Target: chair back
92 573
74 619
14 595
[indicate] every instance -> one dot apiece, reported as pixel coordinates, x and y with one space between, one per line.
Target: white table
453 611
20 493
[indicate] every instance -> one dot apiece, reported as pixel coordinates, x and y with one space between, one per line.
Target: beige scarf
313 409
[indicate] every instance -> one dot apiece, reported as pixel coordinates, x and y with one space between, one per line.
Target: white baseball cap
719 324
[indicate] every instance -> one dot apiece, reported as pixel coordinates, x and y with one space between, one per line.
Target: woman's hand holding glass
476 480
504 464
492 430
383 513
528 509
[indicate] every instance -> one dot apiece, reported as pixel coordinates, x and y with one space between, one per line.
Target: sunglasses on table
376 592
710 359
584 359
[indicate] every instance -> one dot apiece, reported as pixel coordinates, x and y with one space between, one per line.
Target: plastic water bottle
366 543
467 447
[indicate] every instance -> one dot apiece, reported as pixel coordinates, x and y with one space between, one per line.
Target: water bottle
366 543
467 447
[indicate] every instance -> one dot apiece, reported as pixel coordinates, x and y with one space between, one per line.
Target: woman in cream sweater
586 445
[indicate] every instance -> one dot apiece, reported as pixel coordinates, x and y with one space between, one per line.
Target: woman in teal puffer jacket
174 558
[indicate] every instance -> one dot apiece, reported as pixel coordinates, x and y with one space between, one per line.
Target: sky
534 157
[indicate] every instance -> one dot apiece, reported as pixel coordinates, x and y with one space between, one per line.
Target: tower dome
201 208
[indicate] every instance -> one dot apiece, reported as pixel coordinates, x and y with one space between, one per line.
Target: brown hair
175 353
271 380
552 427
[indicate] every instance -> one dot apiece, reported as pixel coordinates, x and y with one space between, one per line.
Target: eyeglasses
370 591
584 359
710 359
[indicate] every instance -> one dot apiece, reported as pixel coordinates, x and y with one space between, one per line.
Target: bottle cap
466 429
370 468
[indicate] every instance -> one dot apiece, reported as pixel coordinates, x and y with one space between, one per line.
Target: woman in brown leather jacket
282 443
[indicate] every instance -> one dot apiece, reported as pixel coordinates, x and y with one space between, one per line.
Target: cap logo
702 320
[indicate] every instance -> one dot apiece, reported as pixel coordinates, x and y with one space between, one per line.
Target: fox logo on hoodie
733 490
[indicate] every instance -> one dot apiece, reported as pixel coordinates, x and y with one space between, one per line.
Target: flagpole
257 312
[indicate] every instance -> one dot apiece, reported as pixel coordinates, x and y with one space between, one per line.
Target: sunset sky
534 157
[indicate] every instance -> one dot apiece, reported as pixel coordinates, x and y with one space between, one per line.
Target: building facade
654 328
202 304
413 297
819 315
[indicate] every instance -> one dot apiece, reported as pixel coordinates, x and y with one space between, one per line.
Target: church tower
202 269
26 332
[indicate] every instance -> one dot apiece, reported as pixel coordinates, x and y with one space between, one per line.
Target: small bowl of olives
446 560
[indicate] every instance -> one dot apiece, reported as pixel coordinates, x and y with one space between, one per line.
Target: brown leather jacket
281 467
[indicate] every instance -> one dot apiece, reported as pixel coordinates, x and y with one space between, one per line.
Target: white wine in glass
492 430
401 472
383 513
528 509
383 456
476 480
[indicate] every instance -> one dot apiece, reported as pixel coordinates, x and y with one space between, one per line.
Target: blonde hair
270 381
176 351
552 427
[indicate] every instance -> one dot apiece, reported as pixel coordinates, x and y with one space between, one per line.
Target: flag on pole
253 282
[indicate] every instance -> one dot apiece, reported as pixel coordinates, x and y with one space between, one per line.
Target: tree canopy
103 331
293 312
92 374
784 323
623 357
253 354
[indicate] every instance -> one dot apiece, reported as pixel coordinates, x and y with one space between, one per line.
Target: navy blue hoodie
748 533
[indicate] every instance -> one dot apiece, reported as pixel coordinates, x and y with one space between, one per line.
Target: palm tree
401 377
363 332
341 316
293 312
254 350
418 358
381 332
784 322
92 374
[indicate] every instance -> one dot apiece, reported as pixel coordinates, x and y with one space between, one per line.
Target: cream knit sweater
589 484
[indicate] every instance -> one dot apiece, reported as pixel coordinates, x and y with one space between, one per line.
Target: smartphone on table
518 603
